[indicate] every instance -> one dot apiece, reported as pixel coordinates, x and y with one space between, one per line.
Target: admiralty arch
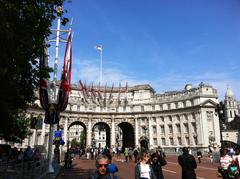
137 116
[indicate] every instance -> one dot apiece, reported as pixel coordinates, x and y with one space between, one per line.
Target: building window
168 106
161 107
154 119
195 140
162 129
176 105
154 129
170 119
163 141
178 128
194 127
170 129
162 119
171 141
187 141
154 141
179 141
178 118
186 127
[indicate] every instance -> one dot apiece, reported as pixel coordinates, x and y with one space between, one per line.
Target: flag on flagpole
126 90
99 47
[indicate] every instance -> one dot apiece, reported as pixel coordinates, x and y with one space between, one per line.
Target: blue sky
166 44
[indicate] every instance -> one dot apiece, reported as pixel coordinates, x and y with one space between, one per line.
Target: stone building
139 117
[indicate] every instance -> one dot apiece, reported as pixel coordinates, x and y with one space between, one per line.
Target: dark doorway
144 145
127 135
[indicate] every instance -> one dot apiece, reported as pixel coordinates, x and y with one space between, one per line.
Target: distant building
139 117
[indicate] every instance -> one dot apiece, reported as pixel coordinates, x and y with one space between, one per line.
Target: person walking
199 156
143 169
102 162
157 161
188 164
225 162
126 154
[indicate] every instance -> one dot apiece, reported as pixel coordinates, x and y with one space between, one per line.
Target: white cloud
88 70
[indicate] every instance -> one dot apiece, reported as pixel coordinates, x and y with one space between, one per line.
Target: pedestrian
199 156
102 162
157 161
143 169
130 154
135 154
225 162
188 164
126 154
112 167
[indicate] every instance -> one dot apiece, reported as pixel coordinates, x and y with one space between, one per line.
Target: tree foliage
24 27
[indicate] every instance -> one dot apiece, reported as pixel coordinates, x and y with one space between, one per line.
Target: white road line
169 171
208 168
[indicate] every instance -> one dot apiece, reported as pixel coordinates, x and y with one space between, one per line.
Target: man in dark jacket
188 164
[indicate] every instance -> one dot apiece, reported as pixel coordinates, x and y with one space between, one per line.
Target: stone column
190 131
65 129
89 132
183 141
42 142
113 136
158 131
166 130
199 128
150 132
174 131
136 132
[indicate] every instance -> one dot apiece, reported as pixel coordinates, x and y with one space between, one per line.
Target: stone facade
172 119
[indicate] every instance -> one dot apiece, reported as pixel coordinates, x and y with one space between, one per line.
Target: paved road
82 167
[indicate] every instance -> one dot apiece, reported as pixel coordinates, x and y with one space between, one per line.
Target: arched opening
76 136
143 144
100 135
127 135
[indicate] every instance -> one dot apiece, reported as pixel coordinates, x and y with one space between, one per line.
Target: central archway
100 135
127 135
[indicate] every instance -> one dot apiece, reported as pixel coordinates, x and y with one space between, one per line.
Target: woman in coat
143 169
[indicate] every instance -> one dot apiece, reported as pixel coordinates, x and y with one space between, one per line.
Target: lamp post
220 109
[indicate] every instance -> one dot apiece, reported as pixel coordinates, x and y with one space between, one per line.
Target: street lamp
145 131
220 110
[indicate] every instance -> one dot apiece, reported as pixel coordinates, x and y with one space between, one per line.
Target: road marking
208 168
169 171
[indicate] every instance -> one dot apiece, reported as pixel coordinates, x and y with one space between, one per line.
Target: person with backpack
188 164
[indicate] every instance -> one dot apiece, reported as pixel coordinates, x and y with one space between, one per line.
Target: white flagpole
101 66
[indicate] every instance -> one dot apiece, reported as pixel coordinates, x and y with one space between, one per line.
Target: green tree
75 143
82 138
24 27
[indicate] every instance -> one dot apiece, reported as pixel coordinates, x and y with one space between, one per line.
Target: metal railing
24 169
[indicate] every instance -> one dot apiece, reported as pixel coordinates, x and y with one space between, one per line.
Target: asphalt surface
82 168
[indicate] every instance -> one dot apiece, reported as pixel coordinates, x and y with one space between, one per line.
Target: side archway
77 132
